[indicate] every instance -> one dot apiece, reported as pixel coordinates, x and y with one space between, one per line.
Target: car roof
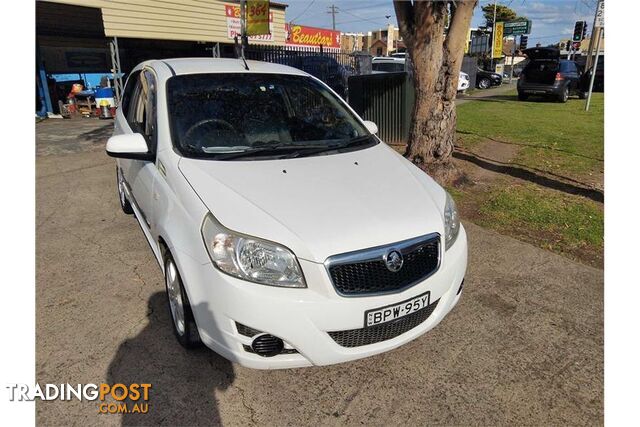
180 66
388 59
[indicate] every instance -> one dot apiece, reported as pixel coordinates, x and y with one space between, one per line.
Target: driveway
523 346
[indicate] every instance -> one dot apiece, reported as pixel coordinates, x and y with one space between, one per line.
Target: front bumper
302 318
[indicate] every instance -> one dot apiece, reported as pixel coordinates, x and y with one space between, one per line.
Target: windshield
229 116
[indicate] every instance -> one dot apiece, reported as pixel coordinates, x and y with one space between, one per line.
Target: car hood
322 205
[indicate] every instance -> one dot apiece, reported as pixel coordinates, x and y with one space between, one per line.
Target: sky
552 20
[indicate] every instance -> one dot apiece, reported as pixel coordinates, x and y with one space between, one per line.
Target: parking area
523 346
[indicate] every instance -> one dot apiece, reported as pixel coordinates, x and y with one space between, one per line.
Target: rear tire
122 195
582 94
522 96
184 325
564 96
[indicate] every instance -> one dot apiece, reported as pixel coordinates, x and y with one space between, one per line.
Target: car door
140 118
570 72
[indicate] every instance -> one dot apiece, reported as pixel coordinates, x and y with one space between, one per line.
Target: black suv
546 74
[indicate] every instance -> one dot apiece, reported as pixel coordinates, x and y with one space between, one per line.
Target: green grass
555 137
564 221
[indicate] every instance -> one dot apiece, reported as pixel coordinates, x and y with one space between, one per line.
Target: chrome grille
365 272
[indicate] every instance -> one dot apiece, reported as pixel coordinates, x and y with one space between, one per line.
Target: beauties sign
298 35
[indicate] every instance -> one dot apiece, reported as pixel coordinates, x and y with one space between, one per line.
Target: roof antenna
239 48
244 40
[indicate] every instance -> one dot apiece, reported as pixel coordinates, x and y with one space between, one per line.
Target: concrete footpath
524 346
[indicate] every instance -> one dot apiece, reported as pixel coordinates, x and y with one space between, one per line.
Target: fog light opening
266 345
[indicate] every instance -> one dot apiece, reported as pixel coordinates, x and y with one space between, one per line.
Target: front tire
484 83
184 325
122 195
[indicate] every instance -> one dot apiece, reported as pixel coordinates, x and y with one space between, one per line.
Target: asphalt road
524 346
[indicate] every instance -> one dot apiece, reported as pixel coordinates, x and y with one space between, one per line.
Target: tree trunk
436 58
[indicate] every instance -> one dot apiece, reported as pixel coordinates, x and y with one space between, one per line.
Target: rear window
542 65
390 67
568 67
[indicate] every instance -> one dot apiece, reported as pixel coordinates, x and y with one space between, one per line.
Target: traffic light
523 42
568 45
579 31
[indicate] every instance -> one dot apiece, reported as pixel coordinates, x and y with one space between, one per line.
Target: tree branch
458 28
405 15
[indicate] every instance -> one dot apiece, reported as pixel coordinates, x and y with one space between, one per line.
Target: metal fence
386 99
332 67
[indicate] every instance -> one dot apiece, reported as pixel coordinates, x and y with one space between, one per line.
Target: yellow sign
257 17
497 40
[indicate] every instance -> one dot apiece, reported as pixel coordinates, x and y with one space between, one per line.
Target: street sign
258 17
600 14
517 28
497 40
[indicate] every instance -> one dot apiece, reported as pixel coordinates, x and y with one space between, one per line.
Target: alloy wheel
484 83
174 293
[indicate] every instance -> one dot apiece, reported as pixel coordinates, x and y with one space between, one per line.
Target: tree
436 55
503 13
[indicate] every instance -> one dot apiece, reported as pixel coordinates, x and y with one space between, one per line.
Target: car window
148 81
390 67
568 67
127 94
212 114
142 109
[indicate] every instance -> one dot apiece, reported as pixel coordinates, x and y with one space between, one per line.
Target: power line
304 11
360 17
368 6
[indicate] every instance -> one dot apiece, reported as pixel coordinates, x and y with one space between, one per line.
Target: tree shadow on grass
523 144
183 383
536 176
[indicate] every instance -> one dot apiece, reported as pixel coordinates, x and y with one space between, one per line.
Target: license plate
395 311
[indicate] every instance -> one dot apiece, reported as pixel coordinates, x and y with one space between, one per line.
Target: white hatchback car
396 64
289 235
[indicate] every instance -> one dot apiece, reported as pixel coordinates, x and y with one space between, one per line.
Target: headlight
250 258
451 222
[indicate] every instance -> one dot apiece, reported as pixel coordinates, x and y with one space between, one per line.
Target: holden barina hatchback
288 233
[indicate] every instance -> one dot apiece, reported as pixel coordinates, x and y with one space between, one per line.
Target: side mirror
371 127
129 146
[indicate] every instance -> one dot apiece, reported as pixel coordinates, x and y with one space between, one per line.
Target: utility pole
595 35
593 70
598 22
333 12
493 32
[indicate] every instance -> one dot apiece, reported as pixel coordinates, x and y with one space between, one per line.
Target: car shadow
98 135
183 382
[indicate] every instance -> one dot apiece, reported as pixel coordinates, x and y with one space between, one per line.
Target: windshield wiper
277 148
354 142
267 150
